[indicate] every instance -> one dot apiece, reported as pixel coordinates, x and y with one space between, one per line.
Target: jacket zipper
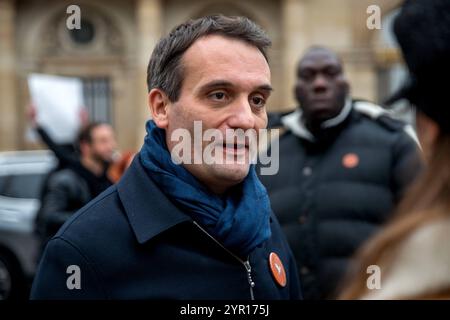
246 263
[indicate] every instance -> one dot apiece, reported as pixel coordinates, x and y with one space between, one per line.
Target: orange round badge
277 269
350 160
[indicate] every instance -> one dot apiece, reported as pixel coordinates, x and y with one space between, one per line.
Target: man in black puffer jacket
343 166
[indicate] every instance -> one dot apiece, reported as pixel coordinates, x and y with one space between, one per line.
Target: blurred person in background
69 157
343 165
66 153
78 180
413 252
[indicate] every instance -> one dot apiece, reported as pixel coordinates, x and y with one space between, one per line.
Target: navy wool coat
132 242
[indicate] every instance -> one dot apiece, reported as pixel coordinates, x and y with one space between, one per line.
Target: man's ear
158 103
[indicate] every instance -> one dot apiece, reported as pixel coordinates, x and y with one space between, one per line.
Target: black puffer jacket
332 193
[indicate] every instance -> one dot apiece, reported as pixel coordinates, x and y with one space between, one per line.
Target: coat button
302 219
304 271
307 171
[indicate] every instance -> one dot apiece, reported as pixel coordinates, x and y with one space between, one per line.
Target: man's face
103 144
226 85
321 86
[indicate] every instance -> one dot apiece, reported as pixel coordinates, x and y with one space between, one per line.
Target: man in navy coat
180 225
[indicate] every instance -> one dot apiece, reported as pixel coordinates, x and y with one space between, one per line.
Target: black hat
422 29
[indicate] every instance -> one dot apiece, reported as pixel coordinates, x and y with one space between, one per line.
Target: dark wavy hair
165 69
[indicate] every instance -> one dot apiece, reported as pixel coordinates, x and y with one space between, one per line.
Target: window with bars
97 98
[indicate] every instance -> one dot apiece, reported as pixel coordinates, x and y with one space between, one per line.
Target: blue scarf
240 221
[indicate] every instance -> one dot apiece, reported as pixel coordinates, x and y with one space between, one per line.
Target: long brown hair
427 200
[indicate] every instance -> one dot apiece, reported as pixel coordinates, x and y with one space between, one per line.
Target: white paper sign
58 102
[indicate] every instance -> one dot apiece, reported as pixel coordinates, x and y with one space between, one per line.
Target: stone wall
32 41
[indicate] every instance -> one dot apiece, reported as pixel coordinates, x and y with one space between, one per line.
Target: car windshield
25 186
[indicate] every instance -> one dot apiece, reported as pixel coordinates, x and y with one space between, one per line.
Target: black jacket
64 193
132 242
332 193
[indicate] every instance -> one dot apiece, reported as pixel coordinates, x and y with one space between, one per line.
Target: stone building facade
112 53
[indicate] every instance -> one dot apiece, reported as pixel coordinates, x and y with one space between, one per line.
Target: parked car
22 175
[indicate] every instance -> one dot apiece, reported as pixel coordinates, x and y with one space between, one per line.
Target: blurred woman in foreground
413 252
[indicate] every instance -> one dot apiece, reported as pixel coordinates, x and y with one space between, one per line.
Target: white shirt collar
295 122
